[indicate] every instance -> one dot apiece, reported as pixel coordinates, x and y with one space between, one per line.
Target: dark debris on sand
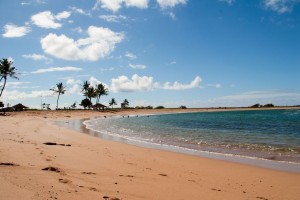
52 169
8 164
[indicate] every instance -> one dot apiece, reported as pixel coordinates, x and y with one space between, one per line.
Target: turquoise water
269 134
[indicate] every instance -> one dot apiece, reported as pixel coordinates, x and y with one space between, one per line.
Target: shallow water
267 134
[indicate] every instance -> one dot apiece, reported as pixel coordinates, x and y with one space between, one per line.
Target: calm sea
268 134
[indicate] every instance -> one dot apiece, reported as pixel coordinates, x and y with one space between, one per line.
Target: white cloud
36 57
137 66
280 6
11 30
72 81
215 85
106 69
172 15
15 85
56 69
74 89
113 18
179 86
99 44
115 5
78 29
80 11
131 56
47 20
94 81
136 83
38 2
142 4
17 95
63 15
229 2
164 4
147 83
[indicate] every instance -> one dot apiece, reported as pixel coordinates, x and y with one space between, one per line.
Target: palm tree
100 91
112 103
85 87
91 93
6 70
126 102
60 89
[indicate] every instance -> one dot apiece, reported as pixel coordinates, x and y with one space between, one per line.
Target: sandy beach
40 160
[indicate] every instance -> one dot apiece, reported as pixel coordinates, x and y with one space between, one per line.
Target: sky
196 53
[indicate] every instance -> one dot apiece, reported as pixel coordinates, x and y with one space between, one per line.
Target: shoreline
287 166
39 160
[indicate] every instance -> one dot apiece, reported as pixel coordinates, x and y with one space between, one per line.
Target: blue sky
197 53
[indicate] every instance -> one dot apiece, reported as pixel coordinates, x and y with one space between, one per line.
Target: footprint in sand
64 181
163 174
89 173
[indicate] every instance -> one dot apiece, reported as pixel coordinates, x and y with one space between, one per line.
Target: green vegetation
6 70
262 106
159 107
59 89
125 103
86 103
112 103
100 91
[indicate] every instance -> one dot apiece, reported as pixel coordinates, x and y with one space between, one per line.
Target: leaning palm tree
59 89
112 103
100 91
6 70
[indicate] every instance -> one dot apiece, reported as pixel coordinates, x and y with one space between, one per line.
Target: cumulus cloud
115 5
164 4
147 83
99 44
136 83
56 69
47 20
138 66
11 30
280 6
179 86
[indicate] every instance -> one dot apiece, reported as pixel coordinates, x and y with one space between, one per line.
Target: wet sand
39 160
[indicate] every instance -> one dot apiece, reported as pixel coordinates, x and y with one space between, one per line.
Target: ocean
264 134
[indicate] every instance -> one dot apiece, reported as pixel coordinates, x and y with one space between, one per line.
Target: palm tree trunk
3 86
57 101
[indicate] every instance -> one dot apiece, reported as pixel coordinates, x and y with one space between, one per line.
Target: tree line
7 70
